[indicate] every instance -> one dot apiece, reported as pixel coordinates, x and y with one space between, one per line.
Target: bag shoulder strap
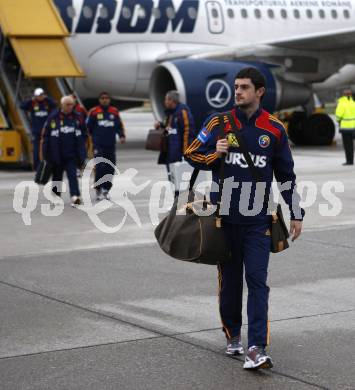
221 173
253 169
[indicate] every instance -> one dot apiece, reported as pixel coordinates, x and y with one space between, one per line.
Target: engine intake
207 86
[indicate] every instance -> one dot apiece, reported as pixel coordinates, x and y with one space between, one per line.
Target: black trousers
103 168
69 166
348 144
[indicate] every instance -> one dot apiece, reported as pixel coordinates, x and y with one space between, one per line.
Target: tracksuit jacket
39 113
266 140
180 126
62 138
103 123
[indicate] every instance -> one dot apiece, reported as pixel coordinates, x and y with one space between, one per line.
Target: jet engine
206 86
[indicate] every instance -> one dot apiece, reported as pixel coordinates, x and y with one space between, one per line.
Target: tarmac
86 309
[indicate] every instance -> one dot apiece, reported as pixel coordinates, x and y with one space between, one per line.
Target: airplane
140 49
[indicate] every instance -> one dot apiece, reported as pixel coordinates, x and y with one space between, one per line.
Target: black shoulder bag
186 234
279 231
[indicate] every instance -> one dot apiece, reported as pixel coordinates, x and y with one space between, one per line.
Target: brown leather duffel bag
157 140
191 233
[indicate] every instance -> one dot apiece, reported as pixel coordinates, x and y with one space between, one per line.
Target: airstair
33 53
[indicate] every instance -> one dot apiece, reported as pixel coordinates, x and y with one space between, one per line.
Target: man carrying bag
246 220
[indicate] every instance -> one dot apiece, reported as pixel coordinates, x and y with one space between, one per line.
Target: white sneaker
257 358
234 346
75 201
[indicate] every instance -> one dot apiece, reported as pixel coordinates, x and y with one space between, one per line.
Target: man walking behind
103 124
39 107
180 129
247 231
345 115
62 144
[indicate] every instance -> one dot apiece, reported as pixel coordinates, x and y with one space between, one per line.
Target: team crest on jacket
53 125
232 140
100 116
264 141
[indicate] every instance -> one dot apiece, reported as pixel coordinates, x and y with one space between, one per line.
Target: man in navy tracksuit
103 124
39 107
63 145
245 216
180 127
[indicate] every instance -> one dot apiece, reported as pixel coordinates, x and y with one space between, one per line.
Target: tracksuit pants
348 144
103 169
250 245
35 146
70 167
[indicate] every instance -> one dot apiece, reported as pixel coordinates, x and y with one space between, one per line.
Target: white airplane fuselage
119 43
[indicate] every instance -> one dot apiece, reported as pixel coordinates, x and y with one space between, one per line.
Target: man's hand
222 147
157 125
295 229
123 140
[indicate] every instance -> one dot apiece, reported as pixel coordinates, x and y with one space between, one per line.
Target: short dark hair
255 76
104 94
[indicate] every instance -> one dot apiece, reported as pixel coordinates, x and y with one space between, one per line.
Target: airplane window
87 12
71 12
257 13
334 14
142 13
103 12
244 13
170 13
283 13
230 13
346 14
126 12
191 11
214 13
296 13
270 13
156 13
309 14
321 13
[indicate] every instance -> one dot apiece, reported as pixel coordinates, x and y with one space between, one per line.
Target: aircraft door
215 19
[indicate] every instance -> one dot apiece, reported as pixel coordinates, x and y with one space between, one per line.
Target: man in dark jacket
180 128
246 218
63 146
104 124
39 107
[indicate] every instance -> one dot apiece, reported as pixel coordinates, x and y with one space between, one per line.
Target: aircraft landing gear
317 129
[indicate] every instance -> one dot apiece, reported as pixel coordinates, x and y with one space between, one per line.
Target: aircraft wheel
316 130
319 130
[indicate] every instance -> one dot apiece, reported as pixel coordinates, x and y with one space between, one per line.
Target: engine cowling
207 86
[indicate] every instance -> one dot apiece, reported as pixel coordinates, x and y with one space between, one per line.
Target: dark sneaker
234 346
257 358
99 195
105 194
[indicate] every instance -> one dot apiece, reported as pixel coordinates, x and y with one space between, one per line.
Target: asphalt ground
85 309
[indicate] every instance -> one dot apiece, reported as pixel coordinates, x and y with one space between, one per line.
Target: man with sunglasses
104 124
246 218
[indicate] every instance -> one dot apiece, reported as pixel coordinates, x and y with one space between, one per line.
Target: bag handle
221 173
253 169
